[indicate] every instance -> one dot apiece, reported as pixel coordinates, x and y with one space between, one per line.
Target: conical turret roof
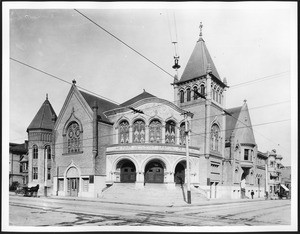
43 118
199 61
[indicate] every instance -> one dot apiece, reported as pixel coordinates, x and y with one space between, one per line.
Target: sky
247 41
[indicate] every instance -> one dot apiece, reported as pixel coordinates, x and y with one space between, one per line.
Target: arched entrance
127 171
179 174
154 171
72 182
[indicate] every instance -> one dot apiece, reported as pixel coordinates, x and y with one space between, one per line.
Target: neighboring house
17 152
95 143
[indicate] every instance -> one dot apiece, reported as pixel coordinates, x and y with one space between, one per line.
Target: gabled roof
198 63
43 118
139 97
103 105
240 123
231 120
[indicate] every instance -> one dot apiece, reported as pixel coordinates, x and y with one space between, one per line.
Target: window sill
73 153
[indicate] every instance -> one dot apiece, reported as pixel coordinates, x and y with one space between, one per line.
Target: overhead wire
56 77
95 93
124 43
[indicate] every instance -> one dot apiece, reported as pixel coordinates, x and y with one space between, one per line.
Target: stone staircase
151 194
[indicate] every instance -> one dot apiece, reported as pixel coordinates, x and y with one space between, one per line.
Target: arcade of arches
154 172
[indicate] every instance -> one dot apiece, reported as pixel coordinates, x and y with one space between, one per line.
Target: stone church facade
93 143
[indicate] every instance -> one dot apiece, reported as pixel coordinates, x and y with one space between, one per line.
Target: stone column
130 134
163 134
139 183
146 133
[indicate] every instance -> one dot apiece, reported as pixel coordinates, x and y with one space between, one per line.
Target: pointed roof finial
144 90
46 96
245 100
74 82
200 26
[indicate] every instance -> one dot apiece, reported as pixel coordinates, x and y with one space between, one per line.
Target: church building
94 144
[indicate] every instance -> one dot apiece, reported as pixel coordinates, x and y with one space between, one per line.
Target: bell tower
201 91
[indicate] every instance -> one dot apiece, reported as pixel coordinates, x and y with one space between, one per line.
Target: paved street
39 212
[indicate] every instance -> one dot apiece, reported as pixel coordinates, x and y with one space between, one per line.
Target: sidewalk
159 203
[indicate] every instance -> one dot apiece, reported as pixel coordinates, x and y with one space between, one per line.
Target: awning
285 188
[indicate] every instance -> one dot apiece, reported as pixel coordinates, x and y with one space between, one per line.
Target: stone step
150 193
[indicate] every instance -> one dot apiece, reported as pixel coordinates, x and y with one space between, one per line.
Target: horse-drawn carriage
28 191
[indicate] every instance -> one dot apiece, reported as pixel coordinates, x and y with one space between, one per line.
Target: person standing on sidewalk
252 194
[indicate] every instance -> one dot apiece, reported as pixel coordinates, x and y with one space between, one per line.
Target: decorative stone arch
156 117
138 117
215 121
178 160
122 118
71 119
171 118
161 158
156 169
72 165
120 158
179 175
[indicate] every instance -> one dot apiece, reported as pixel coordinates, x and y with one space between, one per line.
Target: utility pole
187 131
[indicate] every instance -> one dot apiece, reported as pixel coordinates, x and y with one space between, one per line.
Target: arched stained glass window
188 95
170 135
215 132
138 131
182 134
35 152
124 132
155 131
73 138
181 96
195 95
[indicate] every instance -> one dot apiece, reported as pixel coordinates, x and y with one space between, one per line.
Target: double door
73 187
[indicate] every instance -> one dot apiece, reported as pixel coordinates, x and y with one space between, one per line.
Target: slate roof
103 105
231 121
198 62
43 118
18 148
139 97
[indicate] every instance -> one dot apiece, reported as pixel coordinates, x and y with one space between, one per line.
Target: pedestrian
252 194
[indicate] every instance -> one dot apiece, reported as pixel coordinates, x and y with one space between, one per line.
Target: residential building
17 163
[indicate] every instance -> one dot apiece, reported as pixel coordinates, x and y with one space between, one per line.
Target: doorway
73 187
154 172
179 175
